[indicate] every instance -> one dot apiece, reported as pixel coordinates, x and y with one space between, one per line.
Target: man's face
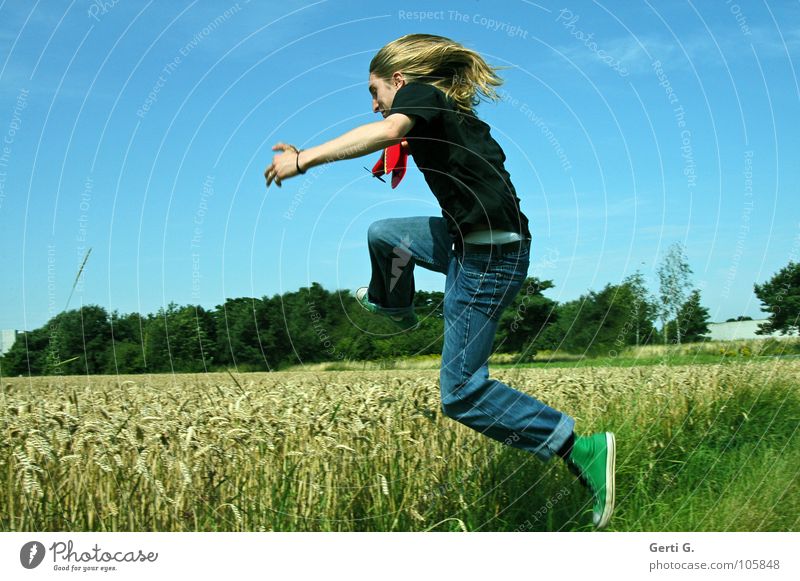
383 92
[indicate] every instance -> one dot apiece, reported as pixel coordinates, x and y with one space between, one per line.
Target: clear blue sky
142 129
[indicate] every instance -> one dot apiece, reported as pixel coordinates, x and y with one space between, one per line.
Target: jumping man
426 88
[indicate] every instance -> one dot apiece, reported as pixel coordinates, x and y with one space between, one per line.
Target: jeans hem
557 439
395 311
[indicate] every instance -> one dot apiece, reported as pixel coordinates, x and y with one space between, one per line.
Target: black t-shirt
461 162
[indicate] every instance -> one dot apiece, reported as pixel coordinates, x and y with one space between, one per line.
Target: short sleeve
418 100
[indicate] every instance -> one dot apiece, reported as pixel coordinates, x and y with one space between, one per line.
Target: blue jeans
477 290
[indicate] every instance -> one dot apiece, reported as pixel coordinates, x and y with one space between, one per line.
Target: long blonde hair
459 72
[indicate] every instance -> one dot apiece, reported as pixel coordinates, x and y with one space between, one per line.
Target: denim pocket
489 285
512 266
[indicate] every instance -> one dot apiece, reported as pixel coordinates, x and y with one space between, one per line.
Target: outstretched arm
360 141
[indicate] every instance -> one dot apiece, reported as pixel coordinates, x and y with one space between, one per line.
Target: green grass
625 361
729 463
706 353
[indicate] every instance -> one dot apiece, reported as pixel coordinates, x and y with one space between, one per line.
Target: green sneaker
405 322
593 461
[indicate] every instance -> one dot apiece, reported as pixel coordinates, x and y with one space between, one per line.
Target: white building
7 339
740 330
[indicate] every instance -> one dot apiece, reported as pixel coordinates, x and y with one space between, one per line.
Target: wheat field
711 447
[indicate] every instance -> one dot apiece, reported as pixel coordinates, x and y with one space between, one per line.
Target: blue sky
141 130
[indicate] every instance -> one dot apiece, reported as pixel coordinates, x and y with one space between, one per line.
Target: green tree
126 354
128 327
522 325
79 341
156 348
674 278
270 325
237 332
27 354
179 339
126 357
692 320
780 297
643 309
426 304
596 323
307 325
190 338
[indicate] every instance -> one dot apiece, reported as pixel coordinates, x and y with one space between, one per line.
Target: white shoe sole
611 460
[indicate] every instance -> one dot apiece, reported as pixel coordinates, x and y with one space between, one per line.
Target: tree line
313 324
310 325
